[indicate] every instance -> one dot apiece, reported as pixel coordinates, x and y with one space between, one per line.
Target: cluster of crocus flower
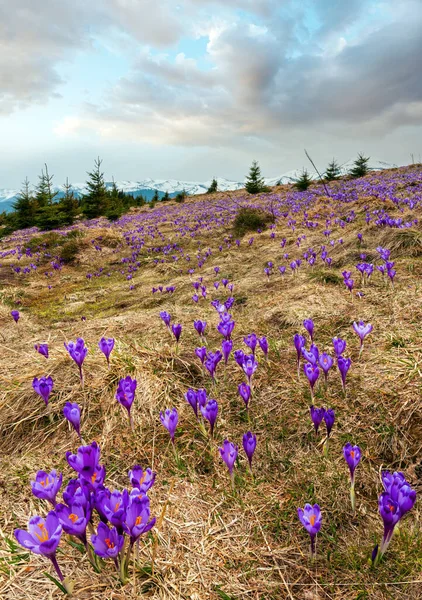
123 516
321 414
77 351
125 395
229 452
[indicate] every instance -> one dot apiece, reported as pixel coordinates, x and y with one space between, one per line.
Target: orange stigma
73 517
43 536
312 520
110 544
138 521
94 477
352 453
45 482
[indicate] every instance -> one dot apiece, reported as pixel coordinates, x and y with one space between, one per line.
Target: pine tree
360 166
68 205
24 207
303 182
333 171
213 187
115 208
254 181
155 197
166 197
96 201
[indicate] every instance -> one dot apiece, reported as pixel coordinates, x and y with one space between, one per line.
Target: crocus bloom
299 342
339 346
309 326
249 366
177 330
200 327
312 355
211 362
170 419
125 394
310 517
325 362
42 349
228 453
343 366
15 314
352 455
226 347
137 521
201 353
362 330
225 328
43 386
43 535
166 318
329 418
251 341
210 412
75 518
249 445
141 479
107 543
192 398
312 373
106 346
85 460
77 351
239 355
317 415
263 344
72 413
245 392
46 485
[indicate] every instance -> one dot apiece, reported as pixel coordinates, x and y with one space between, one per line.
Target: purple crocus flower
249 366
74 519
113 506
210 411
138 520
166 318
15 314
343 366
106 346
226 347
211 362
325 362
43 386
177 330
200 327
46 485
107 542
312 355
299 342
42 349
352 455
312 373
249 445
141 479
201 394
201 353
310 517
170 419
225 328
339 346
229 453
245 392
125 394
72 413
263 344
317 415
192 398
239 356
309 326
362 330
329 418
85 460
77 351
251 341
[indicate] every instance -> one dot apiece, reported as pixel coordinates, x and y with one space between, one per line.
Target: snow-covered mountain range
147 187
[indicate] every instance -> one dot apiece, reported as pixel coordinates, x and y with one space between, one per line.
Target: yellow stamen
43 537
312 520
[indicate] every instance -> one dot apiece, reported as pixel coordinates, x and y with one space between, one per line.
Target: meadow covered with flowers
194 407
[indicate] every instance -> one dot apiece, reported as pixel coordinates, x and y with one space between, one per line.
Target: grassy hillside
95 279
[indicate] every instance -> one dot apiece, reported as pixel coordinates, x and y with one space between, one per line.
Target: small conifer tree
333 171
360 166
303 182
213 187
24 207
96 201
254 181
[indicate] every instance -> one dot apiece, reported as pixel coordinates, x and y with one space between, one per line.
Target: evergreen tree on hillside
155 197
68 205
303 182
24 207
254 181
213 187
44 194
96 201
333 171
360 166
166 197
47 215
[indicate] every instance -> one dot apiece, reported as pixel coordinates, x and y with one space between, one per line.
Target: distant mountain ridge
147 187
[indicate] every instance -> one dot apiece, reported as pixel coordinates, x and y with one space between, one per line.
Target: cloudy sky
190 89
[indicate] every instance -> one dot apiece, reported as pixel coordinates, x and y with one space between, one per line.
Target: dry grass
211 543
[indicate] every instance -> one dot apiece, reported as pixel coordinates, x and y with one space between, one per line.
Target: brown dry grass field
211 542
